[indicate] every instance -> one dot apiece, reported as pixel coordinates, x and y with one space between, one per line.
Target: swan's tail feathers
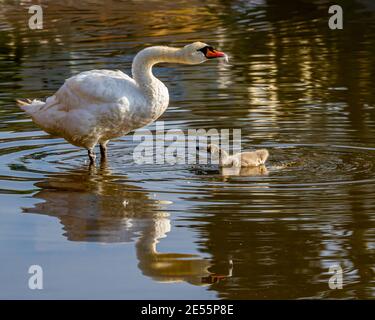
28 105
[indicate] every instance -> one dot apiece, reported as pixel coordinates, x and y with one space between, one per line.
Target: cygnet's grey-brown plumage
241 159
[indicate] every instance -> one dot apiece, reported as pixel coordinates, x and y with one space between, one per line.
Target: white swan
99 105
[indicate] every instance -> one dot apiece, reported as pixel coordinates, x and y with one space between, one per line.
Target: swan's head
199 52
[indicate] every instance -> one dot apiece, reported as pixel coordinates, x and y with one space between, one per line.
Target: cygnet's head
262 156
199 52
214 149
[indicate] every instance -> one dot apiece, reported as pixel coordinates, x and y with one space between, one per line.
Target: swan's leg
103 149
92 156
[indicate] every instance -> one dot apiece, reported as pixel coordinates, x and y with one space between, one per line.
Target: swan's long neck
145 59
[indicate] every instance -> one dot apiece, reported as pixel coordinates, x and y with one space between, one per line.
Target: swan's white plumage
91 107
98 105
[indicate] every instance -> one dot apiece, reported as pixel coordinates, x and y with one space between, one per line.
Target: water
122 230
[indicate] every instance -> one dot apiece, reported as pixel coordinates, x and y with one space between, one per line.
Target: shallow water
123 230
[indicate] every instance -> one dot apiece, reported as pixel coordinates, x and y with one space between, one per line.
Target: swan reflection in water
227 172
245 171
95 206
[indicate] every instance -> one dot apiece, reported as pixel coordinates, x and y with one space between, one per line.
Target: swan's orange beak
210 54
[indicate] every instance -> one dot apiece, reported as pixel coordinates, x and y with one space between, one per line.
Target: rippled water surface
124 230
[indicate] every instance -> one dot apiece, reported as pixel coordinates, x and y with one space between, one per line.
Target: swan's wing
96 87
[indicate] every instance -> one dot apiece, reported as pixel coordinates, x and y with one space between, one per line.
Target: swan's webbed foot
92 156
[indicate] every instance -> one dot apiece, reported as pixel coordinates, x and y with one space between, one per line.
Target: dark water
123 230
